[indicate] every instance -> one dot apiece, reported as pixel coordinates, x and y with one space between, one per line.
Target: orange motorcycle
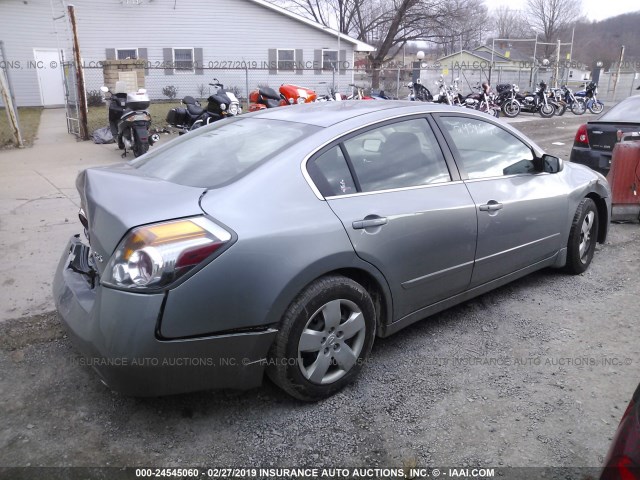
266 97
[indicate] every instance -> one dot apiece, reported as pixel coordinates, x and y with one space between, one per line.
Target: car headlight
154 256
223 107
233 109
301 100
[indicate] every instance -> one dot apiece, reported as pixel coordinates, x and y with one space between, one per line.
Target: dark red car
623 459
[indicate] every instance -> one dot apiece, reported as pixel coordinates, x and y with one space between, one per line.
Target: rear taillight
582 138
623 460
154 256
620 468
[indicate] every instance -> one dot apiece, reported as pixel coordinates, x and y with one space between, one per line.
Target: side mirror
551 164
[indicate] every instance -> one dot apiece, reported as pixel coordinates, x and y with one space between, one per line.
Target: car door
521 210
403 210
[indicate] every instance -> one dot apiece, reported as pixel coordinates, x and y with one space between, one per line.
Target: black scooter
129 119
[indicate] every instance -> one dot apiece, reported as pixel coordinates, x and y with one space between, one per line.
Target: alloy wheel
585 236
331 341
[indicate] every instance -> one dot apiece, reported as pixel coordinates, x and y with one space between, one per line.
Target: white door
49 77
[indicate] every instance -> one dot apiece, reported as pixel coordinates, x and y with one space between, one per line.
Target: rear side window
626 111
222 153
397 155
331 174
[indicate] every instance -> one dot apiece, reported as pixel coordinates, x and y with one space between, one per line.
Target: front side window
397 155
183 59
487 150
217 155
286 59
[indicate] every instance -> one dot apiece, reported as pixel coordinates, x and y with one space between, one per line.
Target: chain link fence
167 87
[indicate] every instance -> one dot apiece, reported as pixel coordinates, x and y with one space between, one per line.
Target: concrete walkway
38 211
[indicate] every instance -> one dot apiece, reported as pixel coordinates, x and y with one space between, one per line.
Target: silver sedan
285 241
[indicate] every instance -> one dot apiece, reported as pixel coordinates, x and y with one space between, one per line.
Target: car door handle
491 206
369 222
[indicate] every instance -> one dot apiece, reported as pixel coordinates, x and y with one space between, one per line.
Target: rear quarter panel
287 237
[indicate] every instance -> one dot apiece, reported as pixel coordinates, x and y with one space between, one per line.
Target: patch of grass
99 116
29 122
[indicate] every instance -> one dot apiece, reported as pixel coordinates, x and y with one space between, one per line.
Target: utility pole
11 112
3 55
557 65
533 64
615 85
82 94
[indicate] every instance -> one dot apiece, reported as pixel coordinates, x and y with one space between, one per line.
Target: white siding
23 28
227 30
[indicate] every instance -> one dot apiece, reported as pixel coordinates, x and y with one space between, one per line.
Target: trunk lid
118 198
603 136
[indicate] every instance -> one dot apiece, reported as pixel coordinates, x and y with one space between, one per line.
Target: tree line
449 25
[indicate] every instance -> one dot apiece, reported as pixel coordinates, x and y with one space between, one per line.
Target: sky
593 9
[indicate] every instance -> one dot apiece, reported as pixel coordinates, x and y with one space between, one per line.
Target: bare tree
340 14
510 23
461 32
553 17
390 24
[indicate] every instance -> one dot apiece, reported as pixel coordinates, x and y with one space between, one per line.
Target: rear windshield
221 153
627 111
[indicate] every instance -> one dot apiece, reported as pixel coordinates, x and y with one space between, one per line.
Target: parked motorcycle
418 92
590 96
265 97
358 93
507 99
575 104
220 104
447 94
557 96
484 100
129 119
537 102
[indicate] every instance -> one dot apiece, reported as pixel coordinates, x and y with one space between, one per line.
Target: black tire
596 107
562 108
140 148
292 367
511 108
578 107
580 249
547 111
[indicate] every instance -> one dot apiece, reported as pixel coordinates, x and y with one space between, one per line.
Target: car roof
326 114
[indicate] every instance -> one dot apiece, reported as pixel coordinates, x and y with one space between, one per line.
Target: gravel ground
537 373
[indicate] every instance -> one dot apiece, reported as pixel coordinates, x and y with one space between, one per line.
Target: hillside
601 41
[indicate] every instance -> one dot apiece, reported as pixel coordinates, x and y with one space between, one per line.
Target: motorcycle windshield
219 98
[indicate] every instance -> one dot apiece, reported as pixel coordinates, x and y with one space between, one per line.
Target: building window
329 59
286 59
127 54
183 60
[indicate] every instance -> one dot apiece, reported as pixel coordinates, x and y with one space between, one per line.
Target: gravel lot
537 373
